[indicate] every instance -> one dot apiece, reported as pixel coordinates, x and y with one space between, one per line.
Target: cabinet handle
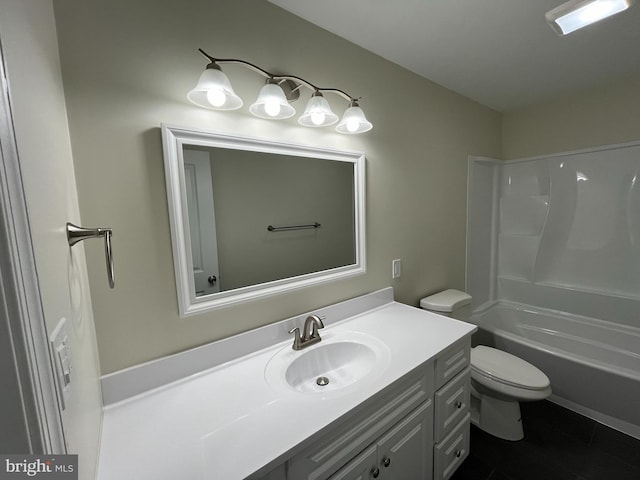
375 471
458 453
458 404
386 461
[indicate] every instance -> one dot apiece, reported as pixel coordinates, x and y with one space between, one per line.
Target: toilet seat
489 365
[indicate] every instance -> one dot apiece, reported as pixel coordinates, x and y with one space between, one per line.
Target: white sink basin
338 362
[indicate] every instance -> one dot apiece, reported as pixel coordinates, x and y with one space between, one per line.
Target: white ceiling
500 53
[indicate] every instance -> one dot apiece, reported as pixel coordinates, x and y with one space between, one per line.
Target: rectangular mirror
252 218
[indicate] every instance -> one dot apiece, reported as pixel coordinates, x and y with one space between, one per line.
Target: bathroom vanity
407 430
396 404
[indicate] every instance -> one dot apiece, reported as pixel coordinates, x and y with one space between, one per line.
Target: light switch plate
62 361
396 268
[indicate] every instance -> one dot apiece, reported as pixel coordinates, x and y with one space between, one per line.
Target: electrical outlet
62 362
396 268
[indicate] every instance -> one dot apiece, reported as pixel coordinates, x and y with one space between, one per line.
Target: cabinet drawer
452 404
453 360
451 452
360 468
337 445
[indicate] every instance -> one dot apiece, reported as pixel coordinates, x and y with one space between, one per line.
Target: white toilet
499 380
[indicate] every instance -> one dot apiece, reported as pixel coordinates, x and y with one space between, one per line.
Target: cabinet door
405 452
363 467
277 474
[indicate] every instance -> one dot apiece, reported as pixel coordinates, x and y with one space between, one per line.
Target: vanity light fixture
272 102
575 14
318 112
353 121
214 91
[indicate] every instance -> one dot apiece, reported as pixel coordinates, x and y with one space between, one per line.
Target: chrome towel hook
76 234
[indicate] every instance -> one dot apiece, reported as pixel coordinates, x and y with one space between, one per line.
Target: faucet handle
295 330
297 341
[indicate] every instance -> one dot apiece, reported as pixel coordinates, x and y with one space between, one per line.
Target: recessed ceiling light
575 14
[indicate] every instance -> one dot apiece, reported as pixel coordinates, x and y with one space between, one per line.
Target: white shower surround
562 233
572 221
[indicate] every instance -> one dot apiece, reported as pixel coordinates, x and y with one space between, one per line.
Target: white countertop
228 422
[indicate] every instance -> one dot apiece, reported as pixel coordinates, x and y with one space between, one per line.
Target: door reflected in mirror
251 217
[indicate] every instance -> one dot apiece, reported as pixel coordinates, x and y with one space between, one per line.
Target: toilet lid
446 301
506 368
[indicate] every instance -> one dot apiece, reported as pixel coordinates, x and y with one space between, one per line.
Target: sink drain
322 381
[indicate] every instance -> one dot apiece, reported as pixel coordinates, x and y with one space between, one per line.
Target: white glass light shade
317 113
214 91
272 103
354 121
575 14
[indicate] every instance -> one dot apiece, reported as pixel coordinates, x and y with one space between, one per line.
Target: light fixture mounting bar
274 76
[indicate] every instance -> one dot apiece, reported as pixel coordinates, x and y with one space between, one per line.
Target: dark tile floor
558 445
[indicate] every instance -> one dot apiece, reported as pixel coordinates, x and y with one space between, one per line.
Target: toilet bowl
499 380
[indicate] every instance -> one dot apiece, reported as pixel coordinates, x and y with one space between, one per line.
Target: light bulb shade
214 91
272 103
353 121
575 14
317 113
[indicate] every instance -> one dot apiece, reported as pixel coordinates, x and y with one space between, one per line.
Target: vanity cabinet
398 407
415 429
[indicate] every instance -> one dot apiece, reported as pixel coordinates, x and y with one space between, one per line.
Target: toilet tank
451 303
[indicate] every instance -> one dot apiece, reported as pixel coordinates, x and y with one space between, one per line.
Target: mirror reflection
256 217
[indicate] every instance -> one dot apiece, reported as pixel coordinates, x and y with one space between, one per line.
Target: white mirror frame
174 139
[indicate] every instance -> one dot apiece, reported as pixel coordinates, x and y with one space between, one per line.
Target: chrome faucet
310 334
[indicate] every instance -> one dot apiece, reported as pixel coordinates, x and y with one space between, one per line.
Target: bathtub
593 365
